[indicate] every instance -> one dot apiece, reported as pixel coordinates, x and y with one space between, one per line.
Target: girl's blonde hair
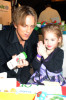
56 29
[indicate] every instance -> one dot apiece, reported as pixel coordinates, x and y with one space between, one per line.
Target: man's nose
28 29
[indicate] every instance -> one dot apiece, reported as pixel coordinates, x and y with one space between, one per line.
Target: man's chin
25 39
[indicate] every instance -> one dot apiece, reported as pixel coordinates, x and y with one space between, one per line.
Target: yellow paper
48 83
14 96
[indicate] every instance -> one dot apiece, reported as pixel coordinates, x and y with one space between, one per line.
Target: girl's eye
52 40
45 39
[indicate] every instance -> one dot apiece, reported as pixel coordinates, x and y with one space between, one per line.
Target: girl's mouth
49 46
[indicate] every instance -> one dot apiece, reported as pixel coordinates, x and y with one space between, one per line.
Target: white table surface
64 48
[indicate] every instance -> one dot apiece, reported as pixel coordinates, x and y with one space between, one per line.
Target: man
49 15
15 40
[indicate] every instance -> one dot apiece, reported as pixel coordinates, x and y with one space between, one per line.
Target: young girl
49 60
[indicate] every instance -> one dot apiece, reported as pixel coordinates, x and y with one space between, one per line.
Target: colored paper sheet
13 96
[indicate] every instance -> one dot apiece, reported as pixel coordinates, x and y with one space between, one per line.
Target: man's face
25 31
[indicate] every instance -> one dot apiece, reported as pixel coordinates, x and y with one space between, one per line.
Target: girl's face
51 40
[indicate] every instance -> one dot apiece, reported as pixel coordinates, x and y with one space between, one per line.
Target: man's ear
15 25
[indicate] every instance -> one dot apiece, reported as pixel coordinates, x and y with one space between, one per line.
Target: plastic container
15 61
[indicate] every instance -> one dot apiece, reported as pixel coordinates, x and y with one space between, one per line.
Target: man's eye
32 26
24 25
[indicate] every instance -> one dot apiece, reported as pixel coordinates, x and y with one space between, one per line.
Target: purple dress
45 75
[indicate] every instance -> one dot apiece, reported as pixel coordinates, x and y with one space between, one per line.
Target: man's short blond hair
19 15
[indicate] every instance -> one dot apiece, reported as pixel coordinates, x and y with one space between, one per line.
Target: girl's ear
60 38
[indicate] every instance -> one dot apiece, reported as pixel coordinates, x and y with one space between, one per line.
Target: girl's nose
49 42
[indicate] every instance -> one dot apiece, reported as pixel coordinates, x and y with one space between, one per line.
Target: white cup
0 26
63 22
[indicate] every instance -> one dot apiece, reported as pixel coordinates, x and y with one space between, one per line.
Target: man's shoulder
6 31
5 34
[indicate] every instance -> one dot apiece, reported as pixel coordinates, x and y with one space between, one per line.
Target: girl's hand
41 49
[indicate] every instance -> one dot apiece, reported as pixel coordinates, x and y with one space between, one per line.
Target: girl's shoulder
59 52
58 49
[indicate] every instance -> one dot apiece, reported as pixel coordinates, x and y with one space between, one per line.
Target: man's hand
21 63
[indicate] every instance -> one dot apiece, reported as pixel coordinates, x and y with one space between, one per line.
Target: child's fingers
39 43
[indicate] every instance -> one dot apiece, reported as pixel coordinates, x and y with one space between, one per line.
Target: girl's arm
54 64
36 64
